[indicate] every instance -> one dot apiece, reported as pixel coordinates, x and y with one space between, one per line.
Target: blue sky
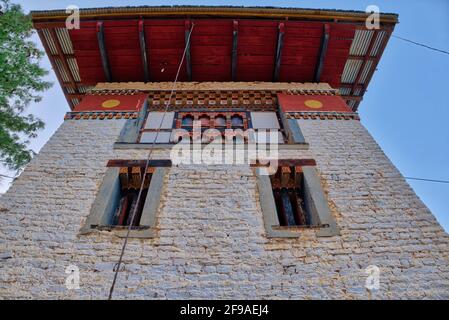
405 109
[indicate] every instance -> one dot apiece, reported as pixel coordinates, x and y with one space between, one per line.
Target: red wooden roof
227 44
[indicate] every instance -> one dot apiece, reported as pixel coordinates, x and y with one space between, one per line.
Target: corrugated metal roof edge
218 10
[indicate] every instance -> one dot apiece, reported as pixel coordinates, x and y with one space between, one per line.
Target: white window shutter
162 137
264 120
155 118
270 137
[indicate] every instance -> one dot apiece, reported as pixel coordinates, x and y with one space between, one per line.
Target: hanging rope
167 104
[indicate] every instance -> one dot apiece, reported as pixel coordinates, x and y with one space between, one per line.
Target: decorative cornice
323 115
100 115
215 86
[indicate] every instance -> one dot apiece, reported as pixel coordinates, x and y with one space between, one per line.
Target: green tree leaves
21 79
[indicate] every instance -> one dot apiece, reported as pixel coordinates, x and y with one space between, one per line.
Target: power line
420 44
428 180
125 242
5 176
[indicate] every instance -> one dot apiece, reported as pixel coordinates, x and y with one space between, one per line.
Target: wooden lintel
286 163
139 163
279 46
103 52
323 52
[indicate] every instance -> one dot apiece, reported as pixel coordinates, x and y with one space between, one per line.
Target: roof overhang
130 44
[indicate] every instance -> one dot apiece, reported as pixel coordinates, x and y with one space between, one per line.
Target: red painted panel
112 102
313 103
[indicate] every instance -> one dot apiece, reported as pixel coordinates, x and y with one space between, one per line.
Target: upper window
187 121
237 121
158 126
220 121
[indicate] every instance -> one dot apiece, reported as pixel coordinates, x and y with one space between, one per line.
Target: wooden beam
103 52
350 86
323 52
365 60
350 97
373 68
75 95
287 163
352 57
188 57
279 46
235 36
143 51
61 56
138 163
55 68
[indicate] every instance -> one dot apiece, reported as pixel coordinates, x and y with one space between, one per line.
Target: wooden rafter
143 51
61 56
380 52
103 52
352 97
235 36
365 60
279 46
323 52
55 68
188 56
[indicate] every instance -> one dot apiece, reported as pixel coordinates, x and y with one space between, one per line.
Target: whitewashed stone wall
211 241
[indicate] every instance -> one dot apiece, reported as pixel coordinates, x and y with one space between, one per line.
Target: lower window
292 198
117 205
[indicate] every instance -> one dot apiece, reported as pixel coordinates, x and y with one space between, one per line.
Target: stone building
334 219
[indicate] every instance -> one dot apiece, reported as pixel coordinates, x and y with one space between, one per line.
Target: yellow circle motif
112 103
314 104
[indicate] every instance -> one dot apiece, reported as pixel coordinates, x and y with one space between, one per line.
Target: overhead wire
167 104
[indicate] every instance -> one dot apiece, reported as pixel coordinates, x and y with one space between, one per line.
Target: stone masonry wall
211 241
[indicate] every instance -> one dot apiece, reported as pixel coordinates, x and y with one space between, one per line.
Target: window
220 121
117 198
158 127
187 121
157 121
204 120
267 126
292 199
237 121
